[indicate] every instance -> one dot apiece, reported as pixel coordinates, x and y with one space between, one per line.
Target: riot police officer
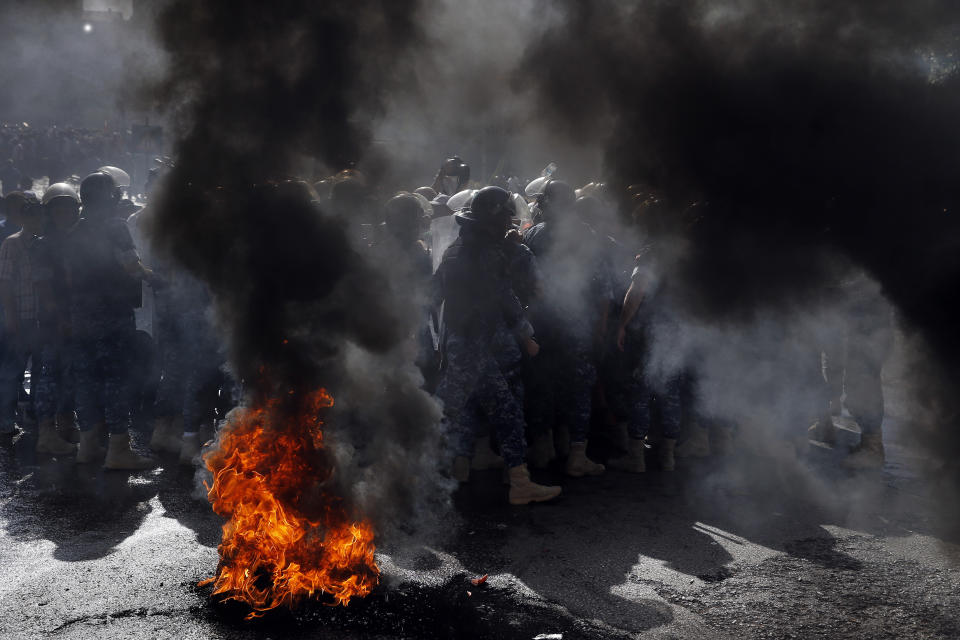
104 274
481 312
52 378
570 316
453 176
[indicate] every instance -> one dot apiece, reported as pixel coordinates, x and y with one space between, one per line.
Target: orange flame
268 475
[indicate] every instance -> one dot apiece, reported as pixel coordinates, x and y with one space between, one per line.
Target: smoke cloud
258 94
59 73
820 138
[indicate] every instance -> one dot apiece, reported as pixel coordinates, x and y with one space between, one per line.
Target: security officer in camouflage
570 317
52 375
484 327
104 274
526 281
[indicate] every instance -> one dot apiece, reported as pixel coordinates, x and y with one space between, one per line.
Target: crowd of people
58 152
538 304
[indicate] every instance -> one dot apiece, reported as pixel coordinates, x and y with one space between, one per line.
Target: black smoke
813 133
260 95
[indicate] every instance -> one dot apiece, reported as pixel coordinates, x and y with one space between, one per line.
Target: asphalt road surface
743 547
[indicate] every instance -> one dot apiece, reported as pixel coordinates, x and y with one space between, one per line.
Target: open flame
286 536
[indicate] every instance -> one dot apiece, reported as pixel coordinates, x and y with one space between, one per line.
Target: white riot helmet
461 199
60 190
535 188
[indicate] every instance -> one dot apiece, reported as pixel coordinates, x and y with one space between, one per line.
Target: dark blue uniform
53 382
653 380
484 323
576 288
102 299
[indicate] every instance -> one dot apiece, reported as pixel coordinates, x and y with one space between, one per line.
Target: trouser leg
503 408
87 382
864 386
47 382
671 406
577 381
539 380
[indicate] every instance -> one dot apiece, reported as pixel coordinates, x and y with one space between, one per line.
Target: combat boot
190 450
667 447
824 431
50 442
461 469
164 438
483 456
542 451
868 454
578 464
67 426
697 445
121 456
836 407
524 491
89 449
635 460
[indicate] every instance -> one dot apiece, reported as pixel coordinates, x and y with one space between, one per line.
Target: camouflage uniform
561 379
483 323
189 351
18 271
650 387
52 382
53 387
616 368
102 299
100 351
525 281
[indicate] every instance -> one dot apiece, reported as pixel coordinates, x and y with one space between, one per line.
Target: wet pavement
740 547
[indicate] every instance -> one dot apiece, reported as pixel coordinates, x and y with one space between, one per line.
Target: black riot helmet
403 215
99 191
557 197
491 210
590 210
453 176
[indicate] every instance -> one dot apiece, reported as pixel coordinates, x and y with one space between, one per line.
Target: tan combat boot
89 450
67 426
667 447
483 456
49 441
164 438
524 491
635 460
868 455
121 456
578 464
